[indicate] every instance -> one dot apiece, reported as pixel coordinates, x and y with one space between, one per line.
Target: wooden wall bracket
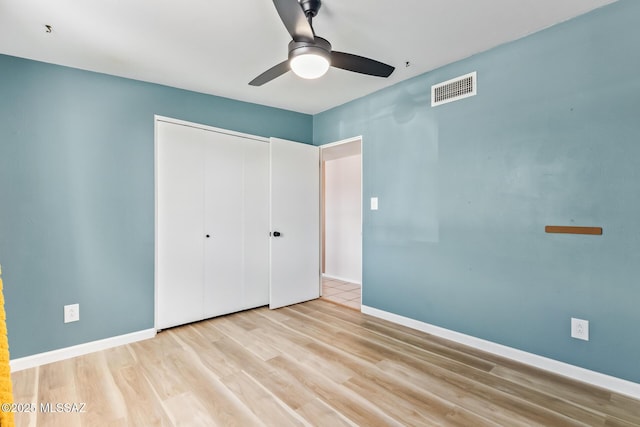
566 229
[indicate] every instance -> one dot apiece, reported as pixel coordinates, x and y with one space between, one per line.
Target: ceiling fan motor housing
320 47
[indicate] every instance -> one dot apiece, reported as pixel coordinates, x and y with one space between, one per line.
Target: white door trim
342 141
158 118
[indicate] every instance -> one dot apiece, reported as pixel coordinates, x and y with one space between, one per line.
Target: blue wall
466 189
465 192
77 195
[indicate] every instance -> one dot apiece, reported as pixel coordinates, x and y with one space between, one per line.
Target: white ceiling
218 46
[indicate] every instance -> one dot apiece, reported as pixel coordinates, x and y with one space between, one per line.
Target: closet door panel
180 191
256 223
223 259
213 207
295 215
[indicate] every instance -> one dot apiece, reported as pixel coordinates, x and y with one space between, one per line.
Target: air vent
454 89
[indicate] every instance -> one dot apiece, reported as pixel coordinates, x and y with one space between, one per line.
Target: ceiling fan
309 55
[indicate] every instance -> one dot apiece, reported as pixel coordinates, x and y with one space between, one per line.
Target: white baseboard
78 350
614 384
341 279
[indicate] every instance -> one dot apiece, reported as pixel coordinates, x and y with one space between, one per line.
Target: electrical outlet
580 329
71 313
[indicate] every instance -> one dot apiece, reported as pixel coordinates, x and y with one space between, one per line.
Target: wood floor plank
409 408
389 384
25 387
281 385
352 406
147 410
392 406
94 383
357 368
204 394
363 341
598 400
211 353
616 422
160 373
185 410
56 384
477 398
316 364
264 404
296 345
622 407
405 336
324 415
119 357
262 348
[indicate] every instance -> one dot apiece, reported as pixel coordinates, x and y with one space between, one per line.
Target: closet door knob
208 236
276 234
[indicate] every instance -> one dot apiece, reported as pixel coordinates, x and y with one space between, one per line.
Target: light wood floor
315 364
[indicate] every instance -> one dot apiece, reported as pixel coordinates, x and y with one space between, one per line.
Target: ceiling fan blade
360 64
294 19
271 74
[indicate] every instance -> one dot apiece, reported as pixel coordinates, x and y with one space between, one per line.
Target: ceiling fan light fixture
310 60
309 65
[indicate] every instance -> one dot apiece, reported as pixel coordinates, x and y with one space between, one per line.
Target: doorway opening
341 208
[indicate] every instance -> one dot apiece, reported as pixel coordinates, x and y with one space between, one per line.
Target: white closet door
295 215
256 223
218 197
224 206
180 199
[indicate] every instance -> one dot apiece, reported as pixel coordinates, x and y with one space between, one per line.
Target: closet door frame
158 119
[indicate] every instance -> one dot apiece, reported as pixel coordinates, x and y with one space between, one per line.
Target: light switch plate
374 203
